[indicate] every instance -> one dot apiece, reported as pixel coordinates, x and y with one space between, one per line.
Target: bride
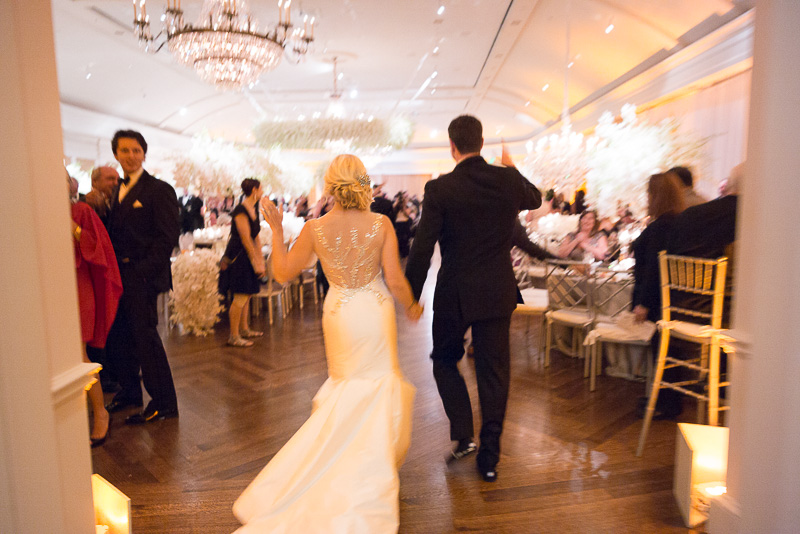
338 473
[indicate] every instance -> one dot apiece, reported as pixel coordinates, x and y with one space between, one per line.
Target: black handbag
224 280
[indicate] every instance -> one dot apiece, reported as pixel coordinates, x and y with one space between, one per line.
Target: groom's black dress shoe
117 405
487 468
465 447
150 416
489 475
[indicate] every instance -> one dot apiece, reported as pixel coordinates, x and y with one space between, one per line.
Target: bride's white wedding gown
338 473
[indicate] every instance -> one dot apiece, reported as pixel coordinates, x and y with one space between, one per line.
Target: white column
45 462
764 456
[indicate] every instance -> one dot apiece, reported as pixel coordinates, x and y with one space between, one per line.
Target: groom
471 213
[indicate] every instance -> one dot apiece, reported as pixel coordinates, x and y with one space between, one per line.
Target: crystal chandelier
225 47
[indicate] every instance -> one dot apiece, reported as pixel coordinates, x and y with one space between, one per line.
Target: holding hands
414 312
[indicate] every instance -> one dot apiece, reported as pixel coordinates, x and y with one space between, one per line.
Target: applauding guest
587 241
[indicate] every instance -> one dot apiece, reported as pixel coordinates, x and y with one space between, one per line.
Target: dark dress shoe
150 416
117 405
488 475
465 447
487 469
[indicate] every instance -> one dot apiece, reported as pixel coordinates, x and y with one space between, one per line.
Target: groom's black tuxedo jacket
471 213
144 229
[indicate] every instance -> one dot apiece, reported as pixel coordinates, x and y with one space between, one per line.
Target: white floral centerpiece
615 161
622 155
556 226
557 161
195 303
551 229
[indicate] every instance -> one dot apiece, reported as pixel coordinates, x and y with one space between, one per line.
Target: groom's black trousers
491 351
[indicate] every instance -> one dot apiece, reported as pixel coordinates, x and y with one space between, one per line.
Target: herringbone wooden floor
568 461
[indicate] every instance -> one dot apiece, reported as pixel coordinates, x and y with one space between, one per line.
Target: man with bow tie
144 226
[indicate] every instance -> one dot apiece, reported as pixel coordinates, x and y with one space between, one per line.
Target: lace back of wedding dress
350 255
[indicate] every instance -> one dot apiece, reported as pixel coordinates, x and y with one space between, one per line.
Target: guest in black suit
471 213
191 213
708 230
143 225
381 204
105 181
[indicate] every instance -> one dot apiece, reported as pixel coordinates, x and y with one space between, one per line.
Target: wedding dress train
338 473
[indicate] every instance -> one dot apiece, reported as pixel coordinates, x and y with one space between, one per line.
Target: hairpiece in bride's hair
363 180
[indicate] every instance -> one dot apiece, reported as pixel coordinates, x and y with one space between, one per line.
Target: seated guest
690 197
586 240
707 231
665 200
381 204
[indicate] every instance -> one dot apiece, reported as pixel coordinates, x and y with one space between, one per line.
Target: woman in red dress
99 289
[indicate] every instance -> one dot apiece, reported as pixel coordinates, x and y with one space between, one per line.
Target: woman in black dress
247 262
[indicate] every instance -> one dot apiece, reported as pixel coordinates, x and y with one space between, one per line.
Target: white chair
535 302
569 305
307 276
611 297
272 290
690 278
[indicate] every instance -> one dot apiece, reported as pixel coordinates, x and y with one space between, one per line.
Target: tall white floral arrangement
557 161
623 154
195 303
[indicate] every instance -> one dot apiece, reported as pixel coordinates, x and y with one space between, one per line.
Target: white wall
44 442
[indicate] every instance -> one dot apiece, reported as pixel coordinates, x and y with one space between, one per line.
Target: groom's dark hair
466 132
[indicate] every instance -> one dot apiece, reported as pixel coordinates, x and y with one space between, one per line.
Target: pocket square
137 204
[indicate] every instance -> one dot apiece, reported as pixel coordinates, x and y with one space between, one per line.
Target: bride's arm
287 265
393 274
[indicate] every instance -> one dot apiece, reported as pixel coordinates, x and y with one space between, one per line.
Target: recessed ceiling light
340 76
354 93
88 75
433 91
301 117
528 103
570 64
436 50
546 87
360 116
316 115
370 118
435 74
183 112
609 28
440 10
434 133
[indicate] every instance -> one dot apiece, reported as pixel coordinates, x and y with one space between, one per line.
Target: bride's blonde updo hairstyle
347 181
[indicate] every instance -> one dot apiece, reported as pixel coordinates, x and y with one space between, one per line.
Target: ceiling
501 60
